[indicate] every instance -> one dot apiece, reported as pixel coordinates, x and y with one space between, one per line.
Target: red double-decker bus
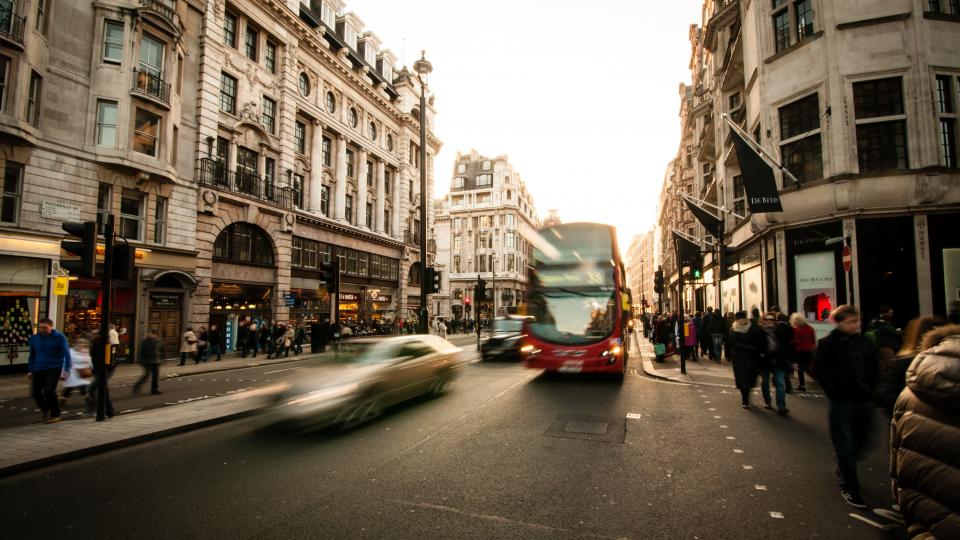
578 302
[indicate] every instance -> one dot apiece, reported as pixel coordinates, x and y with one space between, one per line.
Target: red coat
804 338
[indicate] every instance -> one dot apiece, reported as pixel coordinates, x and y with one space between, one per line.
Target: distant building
640 268
482 229
552 219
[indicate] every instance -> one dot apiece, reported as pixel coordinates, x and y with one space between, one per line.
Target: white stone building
237 144
860 101
640 268
488 218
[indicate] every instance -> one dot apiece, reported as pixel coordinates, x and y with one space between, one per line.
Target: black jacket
149 351
846 366
214 337
780 357
749 345
715 324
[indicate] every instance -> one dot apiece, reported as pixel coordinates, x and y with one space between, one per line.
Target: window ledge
941 17
795 46
874 21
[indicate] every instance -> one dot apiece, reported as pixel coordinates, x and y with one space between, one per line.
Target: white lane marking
129 411
723 426
759 487
887 527
711 408
707 402
737 451
892 515
631 415
776 515
486 517
716 417
731 438
748 467
277 371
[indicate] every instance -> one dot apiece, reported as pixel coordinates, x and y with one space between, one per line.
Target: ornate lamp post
423 69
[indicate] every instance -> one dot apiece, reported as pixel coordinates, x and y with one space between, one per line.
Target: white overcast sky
581 95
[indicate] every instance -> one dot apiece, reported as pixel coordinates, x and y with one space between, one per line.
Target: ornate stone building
483 227
237 144
859 102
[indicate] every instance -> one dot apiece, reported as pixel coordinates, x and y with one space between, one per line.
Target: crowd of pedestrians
911 378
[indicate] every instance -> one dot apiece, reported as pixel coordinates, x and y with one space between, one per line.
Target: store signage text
60 211
101 251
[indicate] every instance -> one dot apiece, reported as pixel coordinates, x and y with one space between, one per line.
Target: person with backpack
845 365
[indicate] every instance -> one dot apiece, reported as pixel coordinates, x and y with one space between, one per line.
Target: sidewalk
705 371
38 445
125 374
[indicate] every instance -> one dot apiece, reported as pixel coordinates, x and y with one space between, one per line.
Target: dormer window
461 168
485 180
350 36
458 182
486 165
386 71
328 15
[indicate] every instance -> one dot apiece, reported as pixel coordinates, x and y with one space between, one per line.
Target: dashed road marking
737 451
776 515
716 417
633 415
129 411
759 487
881 526
277 371
731 438
748 467
712 409
723 426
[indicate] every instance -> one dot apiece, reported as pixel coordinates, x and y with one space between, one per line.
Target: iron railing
151 85
11 25
214 173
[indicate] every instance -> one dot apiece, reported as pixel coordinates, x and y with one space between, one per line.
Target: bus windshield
573 306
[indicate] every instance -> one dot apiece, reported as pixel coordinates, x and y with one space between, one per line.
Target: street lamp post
423 68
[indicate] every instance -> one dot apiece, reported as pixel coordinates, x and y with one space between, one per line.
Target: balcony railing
11 25
164 8
151 85
214 173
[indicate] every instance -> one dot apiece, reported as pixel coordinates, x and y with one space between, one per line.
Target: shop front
944 261
23 301
233 303
743 289
165 295
82 312
308 300
815 274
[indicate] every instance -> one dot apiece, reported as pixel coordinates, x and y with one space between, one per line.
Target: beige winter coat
189 342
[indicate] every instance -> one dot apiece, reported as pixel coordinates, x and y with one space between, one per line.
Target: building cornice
347 230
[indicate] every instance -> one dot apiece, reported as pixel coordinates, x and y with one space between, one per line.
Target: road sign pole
106 286
477 295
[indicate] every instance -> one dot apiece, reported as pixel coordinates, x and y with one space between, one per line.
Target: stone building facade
236 143
640 268
483 229
859 101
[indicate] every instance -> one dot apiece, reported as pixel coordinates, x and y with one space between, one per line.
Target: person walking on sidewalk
747 346
845 365
81 370
689 340
150 360
802 344
925 436
47 365
243 337
289 334
202 344
188 347
253 339
299 336
214 343
714 332
778 336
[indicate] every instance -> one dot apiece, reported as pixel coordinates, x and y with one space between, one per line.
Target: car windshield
507 325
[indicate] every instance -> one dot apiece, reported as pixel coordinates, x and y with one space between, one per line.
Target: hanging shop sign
61 286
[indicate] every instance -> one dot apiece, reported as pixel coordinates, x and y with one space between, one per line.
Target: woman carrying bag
188 347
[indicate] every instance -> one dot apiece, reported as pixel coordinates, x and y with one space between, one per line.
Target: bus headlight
612 351
529 350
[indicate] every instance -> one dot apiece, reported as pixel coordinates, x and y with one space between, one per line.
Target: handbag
85 373
659 349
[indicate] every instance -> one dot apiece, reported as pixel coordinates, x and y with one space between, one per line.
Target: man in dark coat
846 367
215 345
150 360
748 344
243 337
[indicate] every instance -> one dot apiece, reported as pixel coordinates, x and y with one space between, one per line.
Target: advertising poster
816 287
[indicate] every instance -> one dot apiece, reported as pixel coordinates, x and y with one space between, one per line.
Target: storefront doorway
164 319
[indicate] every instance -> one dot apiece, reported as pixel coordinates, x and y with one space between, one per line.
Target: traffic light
330 275
466 305
658 281
84 247
481 290
434 279
696 268
124 261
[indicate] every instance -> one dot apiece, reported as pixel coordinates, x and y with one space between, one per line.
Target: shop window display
16 326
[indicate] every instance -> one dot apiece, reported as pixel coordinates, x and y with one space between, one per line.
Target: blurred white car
369 375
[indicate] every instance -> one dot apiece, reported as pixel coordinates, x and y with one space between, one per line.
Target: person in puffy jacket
893 371
802 343
925 439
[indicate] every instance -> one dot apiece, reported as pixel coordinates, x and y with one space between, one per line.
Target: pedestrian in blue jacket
49 364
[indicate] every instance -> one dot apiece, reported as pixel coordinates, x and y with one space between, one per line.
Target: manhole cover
591 428
579 426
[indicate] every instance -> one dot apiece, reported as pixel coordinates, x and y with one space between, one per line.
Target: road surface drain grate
591 428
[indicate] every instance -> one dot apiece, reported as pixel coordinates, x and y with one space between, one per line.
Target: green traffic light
697 274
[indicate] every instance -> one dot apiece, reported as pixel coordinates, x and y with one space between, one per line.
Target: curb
204 372
72 455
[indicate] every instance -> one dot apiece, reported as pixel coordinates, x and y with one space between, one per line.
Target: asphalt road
506 453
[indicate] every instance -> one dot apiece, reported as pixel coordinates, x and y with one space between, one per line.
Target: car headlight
325 394
529 350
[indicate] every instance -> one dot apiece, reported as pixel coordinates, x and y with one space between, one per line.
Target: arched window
414 277
244 243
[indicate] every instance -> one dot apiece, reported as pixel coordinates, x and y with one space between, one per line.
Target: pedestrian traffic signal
330 275
434 279
481 291
84 247
696 267
658 281
124 261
